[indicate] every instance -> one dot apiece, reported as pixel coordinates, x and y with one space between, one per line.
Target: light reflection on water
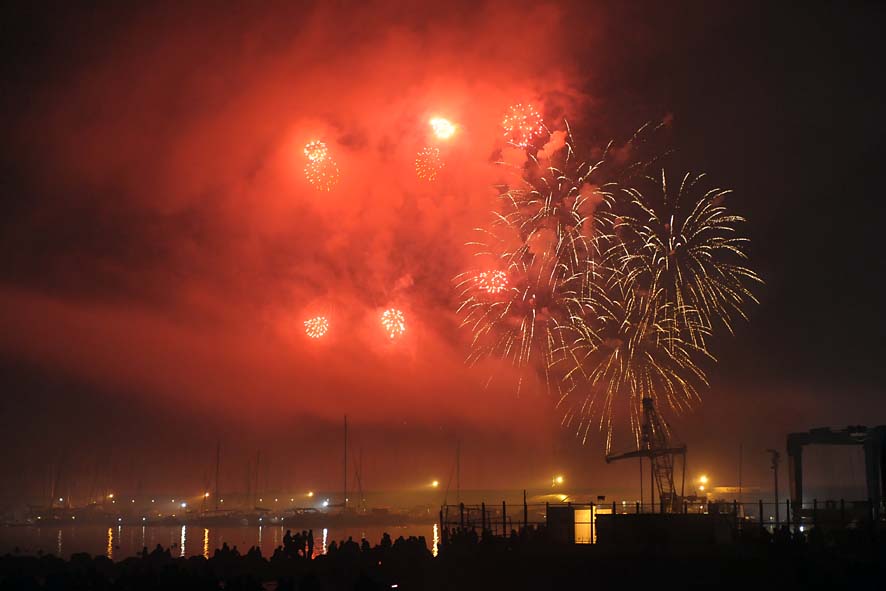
129 540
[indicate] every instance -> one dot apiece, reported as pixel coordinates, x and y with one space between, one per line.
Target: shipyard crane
656 444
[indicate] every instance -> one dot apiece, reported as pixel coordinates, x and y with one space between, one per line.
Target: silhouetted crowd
471 558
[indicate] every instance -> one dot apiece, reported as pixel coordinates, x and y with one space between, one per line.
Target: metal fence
501 519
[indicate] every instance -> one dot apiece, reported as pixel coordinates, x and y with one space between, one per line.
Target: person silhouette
310 544
287 543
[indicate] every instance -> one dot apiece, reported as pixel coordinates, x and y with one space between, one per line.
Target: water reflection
116 544
436 541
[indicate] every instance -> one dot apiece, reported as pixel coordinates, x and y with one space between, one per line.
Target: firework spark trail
545 237
521 125
613 292
685 245
493 282
321 170
316 327
428 163
394 323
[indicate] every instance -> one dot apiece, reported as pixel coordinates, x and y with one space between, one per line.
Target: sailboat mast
217 462
458 471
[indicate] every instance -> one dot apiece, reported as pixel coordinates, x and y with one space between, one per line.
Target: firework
492 282
316 327
442 128
394 322
613 290
316 150
321 169
546 236
428 163
522 124
683 243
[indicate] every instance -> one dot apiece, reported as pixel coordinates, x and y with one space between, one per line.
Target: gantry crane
656 444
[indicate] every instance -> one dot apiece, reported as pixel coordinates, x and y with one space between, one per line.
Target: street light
435 483
557 480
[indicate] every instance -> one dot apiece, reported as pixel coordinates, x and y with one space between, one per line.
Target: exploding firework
317 326
443 128
316 150
493 282
613 293
394 322
546 236
428 163
321 170
522 124
683 243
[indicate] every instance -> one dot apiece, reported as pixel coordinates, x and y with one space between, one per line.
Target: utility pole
740 458
776 458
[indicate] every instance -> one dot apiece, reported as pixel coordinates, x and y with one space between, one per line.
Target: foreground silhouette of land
525 560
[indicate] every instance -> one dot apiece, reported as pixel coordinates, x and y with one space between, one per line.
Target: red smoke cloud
193 248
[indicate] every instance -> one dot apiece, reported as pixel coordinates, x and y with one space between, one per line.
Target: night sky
159 247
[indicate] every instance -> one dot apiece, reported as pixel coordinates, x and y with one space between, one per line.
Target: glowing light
205 543
316 150
522 124
558 479
703 479
317 326
111 496
206 495
701 487
435 483
322 174
443 128
394 322
326 503
184 505
321 170
428 164
492 281
311 493
434 548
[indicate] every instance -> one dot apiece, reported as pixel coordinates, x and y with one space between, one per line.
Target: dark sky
159 246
